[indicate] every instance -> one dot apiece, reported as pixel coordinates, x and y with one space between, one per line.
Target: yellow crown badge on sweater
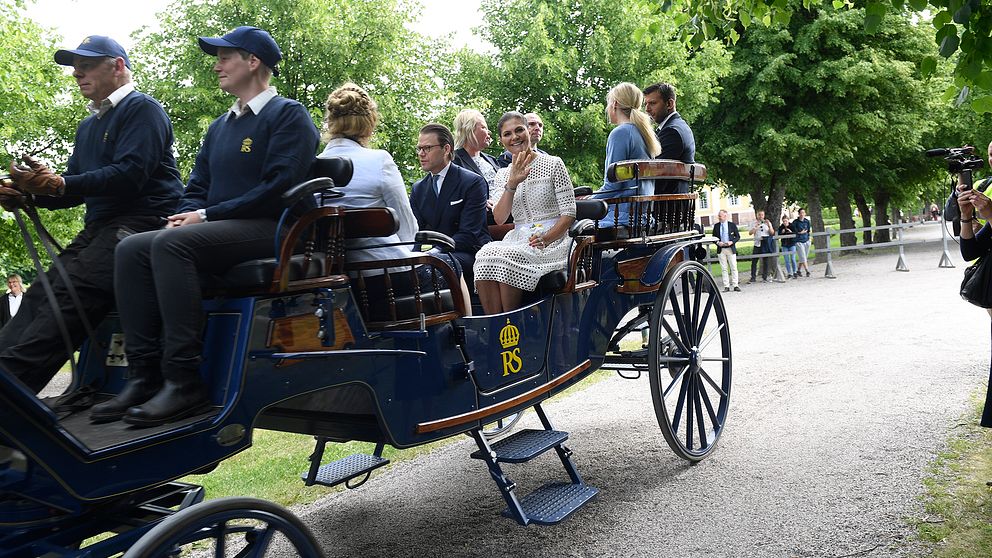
246 145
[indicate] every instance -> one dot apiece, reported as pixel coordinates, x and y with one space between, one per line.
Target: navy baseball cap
250 39
94 46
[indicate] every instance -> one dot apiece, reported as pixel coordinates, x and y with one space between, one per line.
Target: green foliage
962 28
324 44
559 59
40 110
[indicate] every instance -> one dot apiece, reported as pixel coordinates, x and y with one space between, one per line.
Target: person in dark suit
727 236
536 128
10 303
677 140
450 199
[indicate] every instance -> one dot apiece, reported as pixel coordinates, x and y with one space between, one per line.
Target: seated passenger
229 214
450 199
536 127
631 139
349 122
537 191
471 138
674 135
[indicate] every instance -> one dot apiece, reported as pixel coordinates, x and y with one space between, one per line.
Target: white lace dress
538 202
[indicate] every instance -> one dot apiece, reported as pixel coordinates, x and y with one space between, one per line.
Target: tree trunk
776 199
843 202
881 200
865 214
816 221
758 200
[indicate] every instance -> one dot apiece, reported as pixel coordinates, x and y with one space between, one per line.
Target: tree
819 109
41 109
962 29
559 59
324 44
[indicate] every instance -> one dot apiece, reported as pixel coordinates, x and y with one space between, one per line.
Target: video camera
958 158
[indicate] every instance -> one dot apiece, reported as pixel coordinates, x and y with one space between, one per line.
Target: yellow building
713 198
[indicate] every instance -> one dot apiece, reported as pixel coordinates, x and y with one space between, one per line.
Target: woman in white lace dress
537 191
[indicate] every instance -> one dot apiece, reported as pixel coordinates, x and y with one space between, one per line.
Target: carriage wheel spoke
220 551
686 313
705 317
674 359
680 319
703 442
690 399
710 381
709 408
697 295
677 417
260 545
710 336
674 336
675 380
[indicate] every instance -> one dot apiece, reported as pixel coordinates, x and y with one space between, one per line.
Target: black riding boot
183 394
144 383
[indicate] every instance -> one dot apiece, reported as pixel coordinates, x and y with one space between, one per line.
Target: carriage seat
268 274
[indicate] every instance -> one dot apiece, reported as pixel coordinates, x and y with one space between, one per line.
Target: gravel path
831 431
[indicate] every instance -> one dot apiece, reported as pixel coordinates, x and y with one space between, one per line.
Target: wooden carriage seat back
655 218
406 298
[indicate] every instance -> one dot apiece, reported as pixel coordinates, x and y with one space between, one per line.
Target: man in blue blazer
450 199
727 236
677 140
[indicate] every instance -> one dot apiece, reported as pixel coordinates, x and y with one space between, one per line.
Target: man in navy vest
123 169
251 154
450 199
677 141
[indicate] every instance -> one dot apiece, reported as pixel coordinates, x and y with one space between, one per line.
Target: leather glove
36 178
10 197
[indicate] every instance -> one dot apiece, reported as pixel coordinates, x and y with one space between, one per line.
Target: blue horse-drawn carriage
295 343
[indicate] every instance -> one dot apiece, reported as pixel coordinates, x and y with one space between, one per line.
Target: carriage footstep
554 502
524 445
346 468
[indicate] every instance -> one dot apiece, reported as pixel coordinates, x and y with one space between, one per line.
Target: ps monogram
246 145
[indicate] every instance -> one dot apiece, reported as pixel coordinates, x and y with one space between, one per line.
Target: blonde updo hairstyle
350 113
464 128
628 98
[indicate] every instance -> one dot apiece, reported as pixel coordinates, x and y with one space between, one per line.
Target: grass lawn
958 499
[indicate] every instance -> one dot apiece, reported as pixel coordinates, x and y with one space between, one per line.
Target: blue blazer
459 213
678 143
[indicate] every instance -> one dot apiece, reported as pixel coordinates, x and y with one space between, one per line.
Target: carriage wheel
243 527
689 361
501 426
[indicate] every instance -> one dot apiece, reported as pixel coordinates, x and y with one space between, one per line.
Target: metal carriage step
524 445
554 502
345 469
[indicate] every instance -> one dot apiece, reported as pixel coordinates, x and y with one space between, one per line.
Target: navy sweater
122 164
245 163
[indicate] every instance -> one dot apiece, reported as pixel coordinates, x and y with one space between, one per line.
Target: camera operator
976 242
951 212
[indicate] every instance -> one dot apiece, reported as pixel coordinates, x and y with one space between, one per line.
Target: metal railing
899 242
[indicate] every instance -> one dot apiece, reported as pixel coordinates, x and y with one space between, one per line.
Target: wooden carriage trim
666 169
582 243
644 241
480 414
332 264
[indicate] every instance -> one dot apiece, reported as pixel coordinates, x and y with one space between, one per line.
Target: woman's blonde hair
350 113
628 99
464 128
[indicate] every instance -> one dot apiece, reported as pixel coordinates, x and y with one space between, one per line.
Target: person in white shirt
11 303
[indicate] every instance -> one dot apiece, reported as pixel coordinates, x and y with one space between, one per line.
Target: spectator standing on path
727 236
761 229
975 244
11 301
801 226
788 248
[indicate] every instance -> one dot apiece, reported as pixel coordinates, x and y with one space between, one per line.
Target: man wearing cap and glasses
123 169
229 214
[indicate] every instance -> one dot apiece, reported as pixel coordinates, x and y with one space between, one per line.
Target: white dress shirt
14 303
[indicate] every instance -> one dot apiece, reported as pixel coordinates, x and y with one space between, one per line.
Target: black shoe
726 289
737 289
175 401
807 273
140 388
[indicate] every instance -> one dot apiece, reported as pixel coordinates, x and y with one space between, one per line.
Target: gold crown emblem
246 145
509 335
86 40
